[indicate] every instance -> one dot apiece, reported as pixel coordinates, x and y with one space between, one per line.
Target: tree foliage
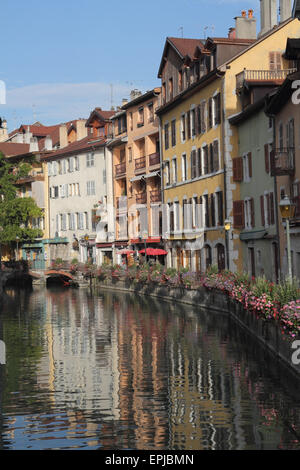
16 213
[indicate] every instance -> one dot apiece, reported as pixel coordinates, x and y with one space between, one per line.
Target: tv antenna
205 29
181 29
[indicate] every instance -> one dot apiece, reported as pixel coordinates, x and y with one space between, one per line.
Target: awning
137 178
150 175
153 252
125 252
257 235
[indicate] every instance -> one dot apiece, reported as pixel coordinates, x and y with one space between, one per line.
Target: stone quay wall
267 332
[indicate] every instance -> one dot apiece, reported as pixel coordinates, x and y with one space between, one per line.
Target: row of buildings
195 167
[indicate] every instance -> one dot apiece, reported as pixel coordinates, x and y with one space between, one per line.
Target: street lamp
227 227
287 210
17 240
1 230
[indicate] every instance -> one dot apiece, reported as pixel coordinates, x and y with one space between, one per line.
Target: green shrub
286 292
262 286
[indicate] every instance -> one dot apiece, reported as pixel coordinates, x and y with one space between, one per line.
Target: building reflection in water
115 371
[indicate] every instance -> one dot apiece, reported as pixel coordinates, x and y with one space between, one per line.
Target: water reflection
114 371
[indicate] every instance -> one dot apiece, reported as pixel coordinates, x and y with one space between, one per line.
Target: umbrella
153 251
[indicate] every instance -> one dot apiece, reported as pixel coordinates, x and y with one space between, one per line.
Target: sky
61 59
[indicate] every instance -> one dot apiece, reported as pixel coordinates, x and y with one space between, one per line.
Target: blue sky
60 61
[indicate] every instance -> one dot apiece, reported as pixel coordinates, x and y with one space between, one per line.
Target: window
267 208
238 215
237 169
183 128
76 159
173 132
63 221
184 167
130 154
170 88
140 117
193 122
90 160
167 173
247 167
91 189
71 218
210 113
166 136
206 210
176 216
275 60
249 213
188 125
174 170
213 210
86 220
80 220
180 80
150 112
205 160
217 109
219 197
202 117
193 164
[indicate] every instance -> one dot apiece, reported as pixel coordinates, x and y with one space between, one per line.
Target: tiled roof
186 46
84 144
12 149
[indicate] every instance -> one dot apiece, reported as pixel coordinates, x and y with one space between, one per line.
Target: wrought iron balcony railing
283 162
141 198
155 195
154 159
140 163
120 169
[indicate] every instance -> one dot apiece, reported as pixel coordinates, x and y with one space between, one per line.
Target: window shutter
193 164
211 158
210 113
205 150
199 163
188 123
250 164
216 155
198 120
218 109
252 212
272 60
262 210
238 169
272 161
268 209
212 209
203 125
267 159
272 209
238 215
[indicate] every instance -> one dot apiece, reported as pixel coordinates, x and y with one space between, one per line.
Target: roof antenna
212 30
111 95
181 29
205 29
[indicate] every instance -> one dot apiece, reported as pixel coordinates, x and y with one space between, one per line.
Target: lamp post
287 210
17 240
1 230
227 227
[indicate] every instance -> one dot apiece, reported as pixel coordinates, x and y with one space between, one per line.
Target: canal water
117 371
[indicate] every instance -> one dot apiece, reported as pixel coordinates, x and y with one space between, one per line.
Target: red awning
153 240
153 252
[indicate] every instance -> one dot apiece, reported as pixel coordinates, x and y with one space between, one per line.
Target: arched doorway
208 256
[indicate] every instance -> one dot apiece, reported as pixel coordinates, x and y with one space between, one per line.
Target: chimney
135 94
3 131
27 136
268 15
124 101
231 33
285 10
63 136
245 27
81 129
34 146
48 143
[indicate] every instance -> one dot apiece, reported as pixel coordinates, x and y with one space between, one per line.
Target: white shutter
49 168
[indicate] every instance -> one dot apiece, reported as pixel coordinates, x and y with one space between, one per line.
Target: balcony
283 162
155 195
141 198
122 203
154 159
296 201
140 164
261 77
120 169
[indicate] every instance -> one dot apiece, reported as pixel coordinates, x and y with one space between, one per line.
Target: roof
87 143
102 115
248 112
228 41
12 149
292 51
142 98
183 47
283 94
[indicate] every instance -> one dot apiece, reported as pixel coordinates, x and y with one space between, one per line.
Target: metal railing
284 161
140 163
155 195
120 168
141 198
154 159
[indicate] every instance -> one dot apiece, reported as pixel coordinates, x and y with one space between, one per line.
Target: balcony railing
284 162
155 195
141 198
154 159
140 163
261 76
120 169
296 201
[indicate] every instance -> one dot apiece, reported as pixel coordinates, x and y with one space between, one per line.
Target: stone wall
268 333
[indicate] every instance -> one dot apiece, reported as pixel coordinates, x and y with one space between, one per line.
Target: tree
16 213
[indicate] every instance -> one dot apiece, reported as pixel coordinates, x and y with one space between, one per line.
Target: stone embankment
267 332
